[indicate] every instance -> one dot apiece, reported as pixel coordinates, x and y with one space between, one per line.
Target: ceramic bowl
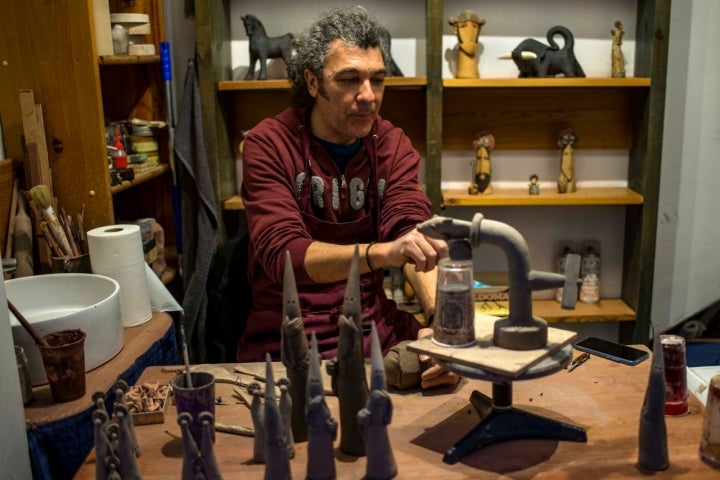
62 301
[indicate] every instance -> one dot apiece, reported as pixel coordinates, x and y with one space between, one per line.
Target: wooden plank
42 148
33 168
546 82
487 356
520 197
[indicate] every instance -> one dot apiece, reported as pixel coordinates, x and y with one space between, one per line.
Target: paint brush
42 198
186 358
26 325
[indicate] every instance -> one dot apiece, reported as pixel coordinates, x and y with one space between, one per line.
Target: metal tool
582 358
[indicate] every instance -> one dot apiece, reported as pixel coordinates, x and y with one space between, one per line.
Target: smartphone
612 351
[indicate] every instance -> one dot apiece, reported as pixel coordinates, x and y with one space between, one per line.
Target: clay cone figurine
277 463
121 388
102 443
322 428
567 141
211 468
652 438
375 418
126 450
257 412
192 459
294 351
348 368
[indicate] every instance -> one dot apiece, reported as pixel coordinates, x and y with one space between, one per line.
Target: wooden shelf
128 59
283 84
545 82
141 178
234 203
607 310
547 196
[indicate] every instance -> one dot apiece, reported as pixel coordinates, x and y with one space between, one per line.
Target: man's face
349 95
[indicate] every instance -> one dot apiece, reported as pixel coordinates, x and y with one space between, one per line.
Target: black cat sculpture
550 60
263 47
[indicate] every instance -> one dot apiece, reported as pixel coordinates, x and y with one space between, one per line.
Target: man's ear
312 83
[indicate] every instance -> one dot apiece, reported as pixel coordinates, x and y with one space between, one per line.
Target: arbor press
517 347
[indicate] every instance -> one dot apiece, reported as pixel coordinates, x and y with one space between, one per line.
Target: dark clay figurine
277 462
263 47
257 412
348 368
375 418
294 351
550 59
652 436
322 428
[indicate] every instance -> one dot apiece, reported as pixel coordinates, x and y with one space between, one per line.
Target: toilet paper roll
116 251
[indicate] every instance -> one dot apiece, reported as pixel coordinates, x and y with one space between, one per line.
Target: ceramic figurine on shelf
375 418
534 185
616 55
484 144
263 47
392 70
347 369
567 141
535 59
467 26
322 428
277 462
294 351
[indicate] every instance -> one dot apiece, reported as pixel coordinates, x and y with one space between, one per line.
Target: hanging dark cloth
199 218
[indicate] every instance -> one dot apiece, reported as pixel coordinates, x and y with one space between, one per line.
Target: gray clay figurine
277 462
652 437
126 450
103 449
391 67
262 47
192 459
257 412
207 451
348 368
535 59
375 418
294 352
285 404
322 428
121 388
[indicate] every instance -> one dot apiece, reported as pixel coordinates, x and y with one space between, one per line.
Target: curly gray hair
353 25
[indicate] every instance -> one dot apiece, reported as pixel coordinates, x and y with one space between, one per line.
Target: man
326 175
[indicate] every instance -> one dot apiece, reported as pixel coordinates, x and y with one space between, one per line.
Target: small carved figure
294 351
392 70
375 417
467 26
549 60
616 55
263 47
567 141
257 413
347 369
103 449
127 451
484 144
121 387
277 463
322 428
207 450
192 459
285 404
534 185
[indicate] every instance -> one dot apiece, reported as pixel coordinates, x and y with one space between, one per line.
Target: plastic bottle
567 250
590 274
120 159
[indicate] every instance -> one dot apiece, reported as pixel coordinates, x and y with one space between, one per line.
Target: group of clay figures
116 445
301 413
484 144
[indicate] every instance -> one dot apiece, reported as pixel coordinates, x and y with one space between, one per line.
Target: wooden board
485 355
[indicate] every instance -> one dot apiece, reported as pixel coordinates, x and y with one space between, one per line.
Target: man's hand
413 247
435 375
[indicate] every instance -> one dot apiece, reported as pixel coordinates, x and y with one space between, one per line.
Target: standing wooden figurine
484 143
467 26
567 141
617 58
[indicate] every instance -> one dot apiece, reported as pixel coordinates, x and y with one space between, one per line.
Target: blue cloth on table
58 449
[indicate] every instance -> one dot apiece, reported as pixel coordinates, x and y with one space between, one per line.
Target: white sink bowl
62 301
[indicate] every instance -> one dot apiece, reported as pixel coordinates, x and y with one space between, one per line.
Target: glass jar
454 324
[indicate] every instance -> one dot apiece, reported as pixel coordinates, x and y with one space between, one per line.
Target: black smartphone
612 351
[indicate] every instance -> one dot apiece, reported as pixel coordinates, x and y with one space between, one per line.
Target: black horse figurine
263 47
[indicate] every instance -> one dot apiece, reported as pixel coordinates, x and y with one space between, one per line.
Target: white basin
62 301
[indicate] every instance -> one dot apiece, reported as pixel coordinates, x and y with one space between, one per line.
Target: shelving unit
524 114
50 47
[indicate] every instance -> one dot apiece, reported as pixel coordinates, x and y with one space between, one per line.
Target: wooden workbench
601 396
